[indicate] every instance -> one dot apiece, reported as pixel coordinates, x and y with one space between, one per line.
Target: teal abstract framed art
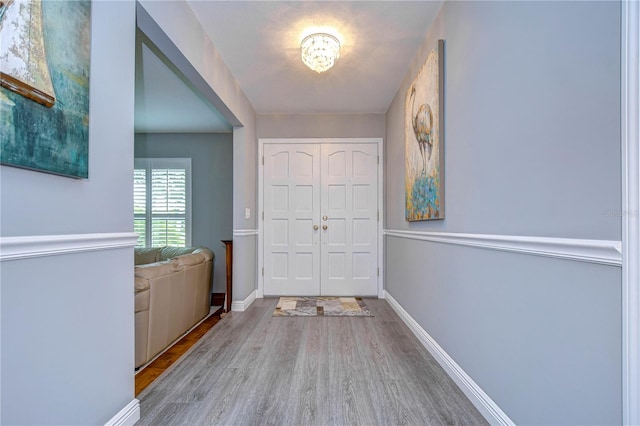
44 85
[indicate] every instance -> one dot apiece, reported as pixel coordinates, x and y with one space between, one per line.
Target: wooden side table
229 262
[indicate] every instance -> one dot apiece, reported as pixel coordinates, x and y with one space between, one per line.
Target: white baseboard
243 305
128 416
476 395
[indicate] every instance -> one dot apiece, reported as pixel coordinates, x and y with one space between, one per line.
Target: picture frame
424 140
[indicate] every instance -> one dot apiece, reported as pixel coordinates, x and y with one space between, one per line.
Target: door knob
324 227
325 218
315 227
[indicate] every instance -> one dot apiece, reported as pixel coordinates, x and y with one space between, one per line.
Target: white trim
243 305
13 248
128 416
244 232
378 141
263 141
487 407
260 289
381 220
594 251
630 111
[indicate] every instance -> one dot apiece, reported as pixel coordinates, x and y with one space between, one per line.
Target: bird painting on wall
422 122
423 129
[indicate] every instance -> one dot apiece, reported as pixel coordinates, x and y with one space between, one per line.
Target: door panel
349 210
291 245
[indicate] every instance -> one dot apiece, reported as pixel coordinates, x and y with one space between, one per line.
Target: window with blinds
162 201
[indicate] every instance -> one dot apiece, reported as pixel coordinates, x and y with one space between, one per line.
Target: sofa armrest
208 254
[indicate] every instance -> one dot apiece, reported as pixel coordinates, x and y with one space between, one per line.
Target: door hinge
262 215
378 271
263 160
263 271
378 215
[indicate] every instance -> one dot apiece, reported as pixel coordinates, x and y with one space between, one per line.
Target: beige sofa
172 293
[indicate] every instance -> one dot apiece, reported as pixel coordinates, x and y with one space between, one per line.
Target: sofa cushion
167 253
190 259
141 284
157 269
141 301
144 255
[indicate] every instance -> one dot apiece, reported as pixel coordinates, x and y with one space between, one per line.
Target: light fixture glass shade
320 51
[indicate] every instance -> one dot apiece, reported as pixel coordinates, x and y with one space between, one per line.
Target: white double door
320 219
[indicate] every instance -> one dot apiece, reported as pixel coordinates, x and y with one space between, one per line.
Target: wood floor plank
222 408
308 392
275 370
253 368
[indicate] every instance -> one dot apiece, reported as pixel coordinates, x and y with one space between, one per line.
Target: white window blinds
162 201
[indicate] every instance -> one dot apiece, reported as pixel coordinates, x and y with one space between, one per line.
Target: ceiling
260 43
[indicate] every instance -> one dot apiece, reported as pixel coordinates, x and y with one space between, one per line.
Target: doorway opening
321 226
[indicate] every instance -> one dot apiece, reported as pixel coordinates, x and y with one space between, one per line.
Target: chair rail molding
23 247
629 127
244 232
594 251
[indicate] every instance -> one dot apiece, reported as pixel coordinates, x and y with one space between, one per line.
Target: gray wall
193 53
67 321
532 148
531 113
212 190
320 125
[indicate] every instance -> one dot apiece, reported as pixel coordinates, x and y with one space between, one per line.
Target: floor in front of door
253 368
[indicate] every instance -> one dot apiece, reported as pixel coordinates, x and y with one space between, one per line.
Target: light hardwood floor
151 372
252 368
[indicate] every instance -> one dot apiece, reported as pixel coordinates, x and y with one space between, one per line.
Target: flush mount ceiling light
320 51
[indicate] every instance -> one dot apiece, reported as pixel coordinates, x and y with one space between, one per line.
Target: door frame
262 142
630 211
